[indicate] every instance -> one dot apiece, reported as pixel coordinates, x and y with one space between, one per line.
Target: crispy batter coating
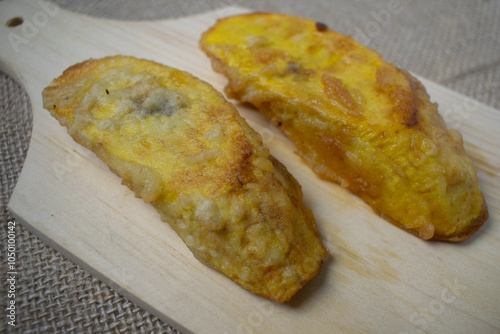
354 118
179 145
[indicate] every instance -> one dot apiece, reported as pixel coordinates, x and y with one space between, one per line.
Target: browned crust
295 192
473 226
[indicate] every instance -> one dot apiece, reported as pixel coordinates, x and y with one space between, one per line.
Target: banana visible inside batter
179 145
354 118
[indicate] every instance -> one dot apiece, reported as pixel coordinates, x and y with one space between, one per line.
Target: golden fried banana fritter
179 145
354 118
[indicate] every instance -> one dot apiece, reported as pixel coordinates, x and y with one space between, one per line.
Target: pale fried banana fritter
354 118
179 145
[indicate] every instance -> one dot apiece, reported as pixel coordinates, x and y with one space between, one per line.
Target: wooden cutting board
377 277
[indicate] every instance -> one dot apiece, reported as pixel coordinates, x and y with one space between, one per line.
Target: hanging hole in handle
14 22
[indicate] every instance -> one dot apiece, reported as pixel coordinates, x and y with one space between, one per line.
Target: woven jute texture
455 43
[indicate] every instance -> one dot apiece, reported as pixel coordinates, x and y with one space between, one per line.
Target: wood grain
377 277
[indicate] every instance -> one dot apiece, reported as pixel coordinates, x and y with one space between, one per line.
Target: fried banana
354 119
179 145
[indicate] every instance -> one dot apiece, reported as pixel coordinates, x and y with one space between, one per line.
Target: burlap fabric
455 43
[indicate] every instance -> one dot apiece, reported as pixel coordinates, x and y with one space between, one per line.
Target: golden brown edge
473 226
310 220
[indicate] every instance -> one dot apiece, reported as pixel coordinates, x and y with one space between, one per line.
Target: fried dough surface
179 145
354 118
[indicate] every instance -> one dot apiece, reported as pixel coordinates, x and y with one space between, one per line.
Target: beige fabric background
455 43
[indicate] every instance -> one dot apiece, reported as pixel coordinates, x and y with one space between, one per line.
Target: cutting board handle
22 25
